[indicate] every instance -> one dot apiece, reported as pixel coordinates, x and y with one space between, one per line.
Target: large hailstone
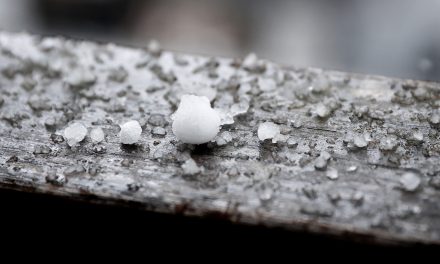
195 122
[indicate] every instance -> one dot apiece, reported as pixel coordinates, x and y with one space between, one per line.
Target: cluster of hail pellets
76 132
194 122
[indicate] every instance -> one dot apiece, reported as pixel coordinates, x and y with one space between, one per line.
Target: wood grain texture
338 168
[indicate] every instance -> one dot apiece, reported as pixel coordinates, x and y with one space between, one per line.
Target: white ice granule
322 110
251 62
195 122
97 135
80 77
266 84
190 167
410 181
332 173
154 47
130 132
268 130
75 133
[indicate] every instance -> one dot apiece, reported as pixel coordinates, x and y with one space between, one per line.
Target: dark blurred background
399 38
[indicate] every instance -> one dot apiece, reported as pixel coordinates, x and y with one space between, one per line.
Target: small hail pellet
97 135
75 133
130 132
195 122
268 130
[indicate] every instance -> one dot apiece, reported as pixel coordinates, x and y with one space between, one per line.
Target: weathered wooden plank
380 136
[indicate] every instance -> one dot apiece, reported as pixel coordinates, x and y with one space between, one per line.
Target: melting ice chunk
75 133
154 48
130 132
250 61
195 122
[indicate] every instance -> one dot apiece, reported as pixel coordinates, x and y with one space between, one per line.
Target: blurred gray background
399 38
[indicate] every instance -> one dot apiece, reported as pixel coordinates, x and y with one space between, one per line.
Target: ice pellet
332 174
359 141
130 132
190 167
195 122
292 143
410 181
352 169
75 133
322 111
417 136
268 130
388 143
320 163
223 138
154 48
97 135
